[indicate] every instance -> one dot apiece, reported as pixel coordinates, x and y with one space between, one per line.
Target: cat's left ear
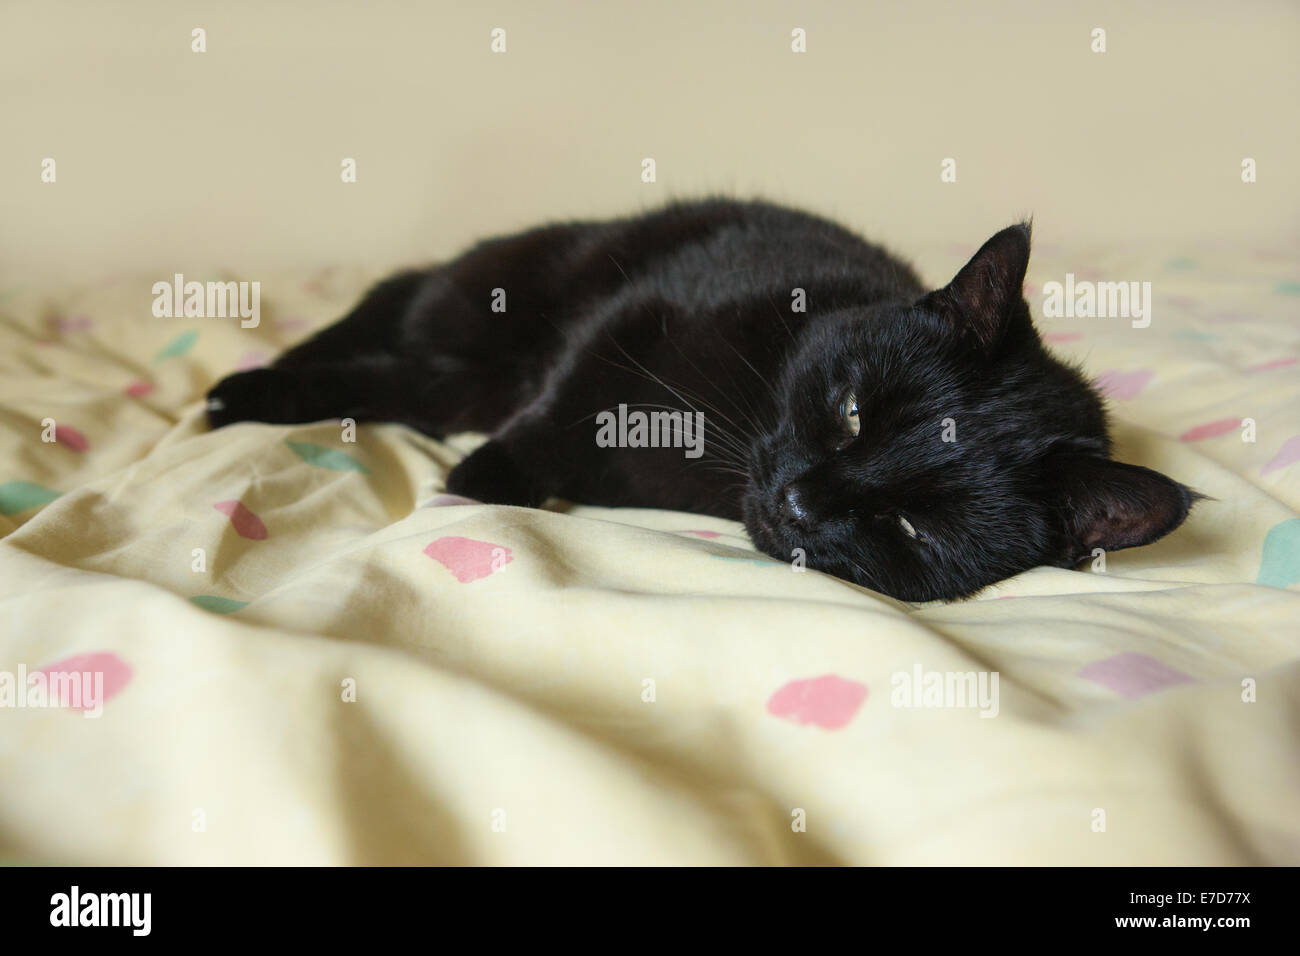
1110 505
980 300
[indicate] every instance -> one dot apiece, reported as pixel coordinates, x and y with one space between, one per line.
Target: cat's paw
489 474
257 395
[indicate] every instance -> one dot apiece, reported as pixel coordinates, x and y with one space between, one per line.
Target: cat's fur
690 308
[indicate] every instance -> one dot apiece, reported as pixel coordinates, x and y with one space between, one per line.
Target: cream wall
170 160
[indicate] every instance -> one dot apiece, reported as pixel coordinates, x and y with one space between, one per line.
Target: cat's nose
794 506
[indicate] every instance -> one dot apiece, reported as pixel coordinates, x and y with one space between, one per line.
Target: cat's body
974 455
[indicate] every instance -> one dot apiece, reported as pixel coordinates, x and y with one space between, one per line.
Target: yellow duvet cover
306 653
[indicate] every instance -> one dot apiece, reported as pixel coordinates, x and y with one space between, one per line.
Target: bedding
311 655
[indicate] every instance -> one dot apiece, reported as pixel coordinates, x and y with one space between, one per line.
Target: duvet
286 645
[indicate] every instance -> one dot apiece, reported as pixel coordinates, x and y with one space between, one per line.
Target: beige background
174 161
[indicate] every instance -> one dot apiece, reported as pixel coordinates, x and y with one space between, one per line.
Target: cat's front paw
490 475
257 395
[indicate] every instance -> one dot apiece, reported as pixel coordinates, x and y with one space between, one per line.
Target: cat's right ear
1110 505
980 300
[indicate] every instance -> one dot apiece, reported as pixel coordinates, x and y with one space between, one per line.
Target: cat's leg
364 388
387 360
536 452
438 396
437 350
525 464
557 444
335 373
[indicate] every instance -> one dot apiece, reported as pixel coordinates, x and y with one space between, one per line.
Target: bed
311 655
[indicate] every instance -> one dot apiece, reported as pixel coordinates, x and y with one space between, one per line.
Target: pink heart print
1212 429
1133 675
117 673
828 701
1288 454
1116 384
245 523
69 437
468 558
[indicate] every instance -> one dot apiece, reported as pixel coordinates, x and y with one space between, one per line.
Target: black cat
923 445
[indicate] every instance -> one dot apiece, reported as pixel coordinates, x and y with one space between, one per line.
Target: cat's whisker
675 392
780 318
610 336
737 451
749 365
747 412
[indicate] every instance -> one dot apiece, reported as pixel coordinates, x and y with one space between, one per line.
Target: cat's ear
1110 505
980 300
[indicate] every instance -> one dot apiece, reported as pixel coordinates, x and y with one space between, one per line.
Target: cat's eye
849 414
906 526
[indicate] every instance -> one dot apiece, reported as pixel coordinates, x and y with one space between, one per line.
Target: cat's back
705 258
721 248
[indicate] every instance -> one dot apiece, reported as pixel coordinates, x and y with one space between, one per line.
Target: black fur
690 307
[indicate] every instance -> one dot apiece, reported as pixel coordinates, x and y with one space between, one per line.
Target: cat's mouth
762 525
766 529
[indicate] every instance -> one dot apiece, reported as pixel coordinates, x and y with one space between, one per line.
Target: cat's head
928 449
